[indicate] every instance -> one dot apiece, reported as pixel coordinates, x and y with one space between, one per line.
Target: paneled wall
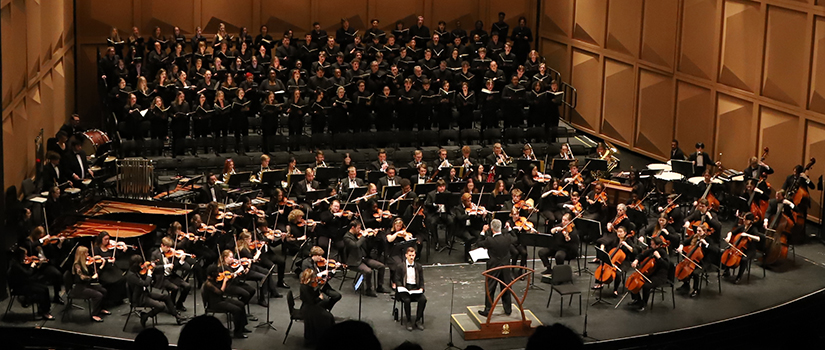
38 78
96 18
738 75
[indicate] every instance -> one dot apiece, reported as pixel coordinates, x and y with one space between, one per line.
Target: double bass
779 227
799 195
759 210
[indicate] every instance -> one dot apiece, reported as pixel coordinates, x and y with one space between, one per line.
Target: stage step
472 326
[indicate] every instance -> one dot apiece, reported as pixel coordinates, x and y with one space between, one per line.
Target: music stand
390 191
324 174
524 164
424 188
503 216
589 226
268 323
536 240
295 178
406 173
374 176
505 172
352 193
594 164
559 166
402 205
456 186
313 196
485 198
683 167
501 199
604 258
236 179
488 187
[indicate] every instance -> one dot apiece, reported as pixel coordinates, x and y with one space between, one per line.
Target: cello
636 281
759 209
695 255
606 273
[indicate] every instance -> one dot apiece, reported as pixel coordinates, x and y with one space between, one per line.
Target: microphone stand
268 323
450 344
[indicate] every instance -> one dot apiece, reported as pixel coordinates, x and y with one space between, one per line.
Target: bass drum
94 140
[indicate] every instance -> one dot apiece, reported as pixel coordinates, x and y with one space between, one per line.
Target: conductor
498 248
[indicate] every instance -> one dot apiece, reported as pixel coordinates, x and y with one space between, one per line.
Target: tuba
610 156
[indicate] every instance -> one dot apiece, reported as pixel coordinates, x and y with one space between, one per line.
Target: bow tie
410 265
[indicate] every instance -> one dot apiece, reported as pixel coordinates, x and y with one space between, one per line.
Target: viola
34 261
146 266
637 205
614 225
636 281
420 212
523 224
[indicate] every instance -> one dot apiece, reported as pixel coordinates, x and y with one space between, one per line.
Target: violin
190 236
345 213
272 235
146 267
287 202
97 259
225 215
524 205
382 214
539 177
329 264
46 240
367 232
318 281
256 212
307 222
119 245
226 275
403 233
180 254
206 229
420 212
475 210
558 191
34 261
255 245
601 197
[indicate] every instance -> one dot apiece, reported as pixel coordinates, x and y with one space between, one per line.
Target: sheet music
405 290
479 254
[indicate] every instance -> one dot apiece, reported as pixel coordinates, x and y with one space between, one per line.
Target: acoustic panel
694 116
786 62
330 13
513 9
33 41
556 56
408 11
586 77
556 18
697 57
775 126
13 21
98 17
234 14
168 14
590 18
735 138
619 84
465 11
741 49
816 100
624 26
282 15
659 32
655 113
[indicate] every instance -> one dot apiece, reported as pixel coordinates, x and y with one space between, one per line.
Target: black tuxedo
498 248
706 162
414 179
300 189
385 181
412 164
72 166
206 194
407 298
52 175
175 284
376 165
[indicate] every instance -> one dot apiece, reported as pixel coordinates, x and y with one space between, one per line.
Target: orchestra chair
704 275
133 308
397 315
68 283
209 312
568 259
563 284
469 136
671 280
514 135
491 136
294 314
13 294
754 259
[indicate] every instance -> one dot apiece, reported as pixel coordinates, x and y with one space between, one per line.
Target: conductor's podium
520 322
473 326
